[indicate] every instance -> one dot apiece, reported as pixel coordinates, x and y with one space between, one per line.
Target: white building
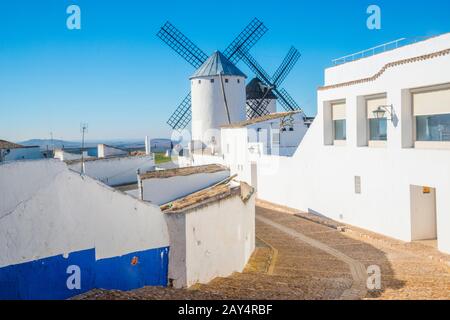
218 98
384 171
212 233
377 155
10 151
276 133
244 143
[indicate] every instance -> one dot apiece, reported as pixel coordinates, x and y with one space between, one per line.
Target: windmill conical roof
255 89
217 64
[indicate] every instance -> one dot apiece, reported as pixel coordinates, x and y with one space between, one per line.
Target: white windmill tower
218 98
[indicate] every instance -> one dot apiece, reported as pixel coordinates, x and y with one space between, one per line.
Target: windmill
265 88
237 50
196 57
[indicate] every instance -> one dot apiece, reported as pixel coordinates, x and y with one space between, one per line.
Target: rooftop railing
388 46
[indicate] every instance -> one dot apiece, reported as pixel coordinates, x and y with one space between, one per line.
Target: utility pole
83 129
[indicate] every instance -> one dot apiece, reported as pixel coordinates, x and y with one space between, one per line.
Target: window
339 122
378 129
357 184
433 127
340 130
199 81
226 80
238 81
275 137
432 117
212 80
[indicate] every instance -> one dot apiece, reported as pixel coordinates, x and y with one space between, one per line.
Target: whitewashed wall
198 256
68 156
162 190
367 67
208 106
51 217
46 209
116 171
320 178
104 150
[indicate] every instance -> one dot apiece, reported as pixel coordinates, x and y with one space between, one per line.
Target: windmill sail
181 117
182 45
284 98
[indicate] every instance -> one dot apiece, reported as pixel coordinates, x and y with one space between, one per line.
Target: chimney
147 145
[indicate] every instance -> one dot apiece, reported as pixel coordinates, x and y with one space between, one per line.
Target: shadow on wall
371 257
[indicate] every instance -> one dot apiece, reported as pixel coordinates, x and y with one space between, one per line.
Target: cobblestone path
300 259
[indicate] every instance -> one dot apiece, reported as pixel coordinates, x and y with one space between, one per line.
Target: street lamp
380 112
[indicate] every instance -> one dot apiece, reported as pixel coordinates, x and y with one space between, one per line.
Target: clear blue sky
119 77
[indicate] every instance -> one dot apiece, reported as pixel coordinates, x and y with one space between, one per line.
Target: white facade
373 187
208 106
399 187
244 144
277 136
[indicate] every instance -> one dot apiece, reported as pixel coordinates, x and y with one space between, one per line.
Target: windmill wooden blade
257 108
248 59
283 97
286 101
181 117
182 45
245 40
286 66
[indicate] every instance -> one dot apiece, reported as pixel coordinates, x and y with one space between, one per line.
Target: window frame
418 144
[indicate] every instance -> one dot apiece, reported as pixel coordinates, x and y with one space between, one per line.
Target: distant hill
44 143
130 144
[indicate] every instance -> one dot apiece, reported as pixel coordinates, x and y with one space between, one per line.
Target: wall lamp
380 112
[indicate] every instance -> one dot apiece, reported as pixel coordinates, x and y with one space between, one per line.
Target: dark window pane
378 129
433 127
340 130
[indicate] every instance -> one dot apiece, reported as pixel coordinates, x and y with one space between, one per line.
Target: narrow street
297 258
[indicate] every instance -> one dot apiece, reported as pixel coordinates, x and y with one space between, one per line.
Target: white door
423 213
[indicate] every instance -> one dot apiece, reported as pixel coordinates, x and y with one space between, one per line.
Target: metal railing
379 49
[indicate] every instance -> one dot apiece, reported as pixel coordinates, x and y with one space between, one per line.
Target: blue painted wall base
47 278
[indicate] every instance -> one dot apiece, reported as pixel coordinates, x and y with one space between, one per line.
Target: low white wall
46 209
162 190
116 171
104 151
211 241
